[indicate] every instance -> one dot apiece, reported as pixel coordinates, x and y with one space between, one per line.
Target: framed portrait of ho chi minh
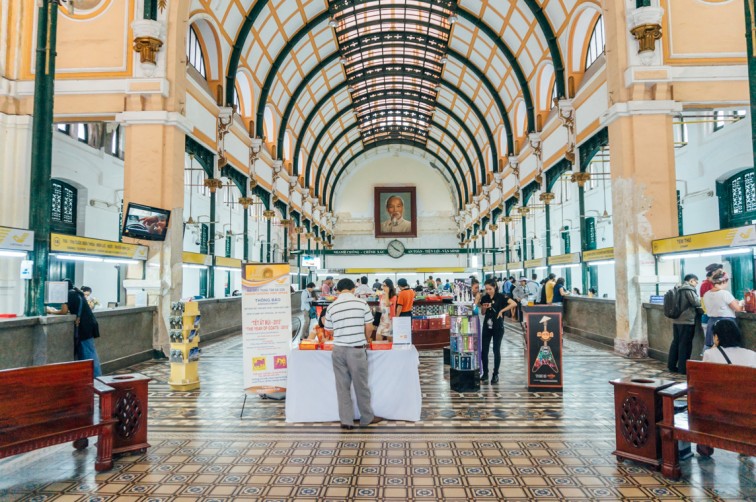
395 211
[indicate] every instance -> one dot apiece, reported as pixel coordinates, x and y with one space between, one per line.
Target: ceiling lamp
444 60
333 23
343 61
453 19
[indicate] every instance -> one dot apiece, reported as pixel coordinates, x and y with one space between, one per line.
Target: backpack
672 300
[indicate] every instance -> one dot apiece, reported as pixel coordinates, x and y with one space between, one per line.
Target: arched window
63 199
287 146
268 123
82 133
237 103
597 43
554 95
194 54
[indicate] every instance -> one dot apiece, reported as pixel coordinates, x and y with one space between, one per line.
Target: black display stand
464 353
543 349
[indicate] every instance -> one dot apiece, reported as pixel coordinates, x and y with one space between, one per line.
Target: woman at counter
405 299
728 346
388 310
719 303
494 305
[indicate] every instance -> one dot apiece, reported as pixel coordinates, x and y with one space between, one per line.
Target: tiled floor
502 443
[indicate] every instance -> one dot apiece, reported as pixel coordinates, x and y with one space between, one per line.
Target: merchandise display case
184 336
464 349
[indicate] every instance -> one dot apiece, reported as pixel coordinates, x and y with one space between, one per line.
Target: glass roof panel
393 52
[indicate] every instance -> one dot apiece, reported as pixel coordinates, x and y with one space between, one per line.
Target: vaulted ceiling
456 79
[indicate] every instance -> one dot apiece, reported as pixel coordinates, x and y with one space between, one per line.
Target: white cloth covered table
392 375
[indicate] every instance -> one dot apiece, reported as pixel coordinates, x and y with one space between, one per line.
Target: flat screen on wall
310 261
145 222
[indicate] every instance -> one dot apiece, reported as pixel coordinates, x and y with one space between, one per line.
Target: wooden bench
721 413
53 404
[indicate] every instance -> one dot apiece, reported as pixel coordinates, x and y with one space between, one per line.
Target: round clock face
395 249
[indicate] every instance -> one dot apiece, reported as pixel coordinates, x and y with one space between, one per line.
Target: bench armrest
668 402
100 388
106 399
675 391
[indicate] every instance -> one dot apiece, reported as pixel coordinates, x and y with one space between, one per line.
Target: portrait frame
408 194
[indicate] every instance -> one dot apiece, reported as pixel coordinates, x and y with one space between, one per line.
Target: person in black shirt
494 305
86 328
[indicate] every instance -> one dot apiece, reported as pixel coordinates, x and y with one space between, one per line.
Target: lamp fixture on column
567 116
646 28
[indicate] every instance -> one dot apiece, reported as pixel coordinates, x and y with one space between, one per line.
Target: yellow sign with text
222 261
728 237
565 259
538 262
16 239
196 258
598 255
61 243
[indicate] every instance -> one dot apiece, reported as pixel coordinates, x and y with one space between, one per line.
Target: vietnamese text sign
565 259
266 326
16 239
537 263
598 254
61 243
729 237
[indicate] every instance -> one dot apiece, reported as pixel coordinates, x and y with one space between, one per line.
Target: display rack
184 355
464 373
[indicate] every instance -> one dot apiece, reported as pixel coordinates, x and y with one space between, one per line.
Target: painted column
643 179
750 17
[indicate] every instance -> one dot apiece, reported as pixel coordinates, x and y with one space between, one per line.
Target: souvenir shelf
184 356
464 375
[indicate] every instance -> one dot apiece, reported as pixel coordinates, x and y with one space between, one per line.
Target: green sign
590 233
354 252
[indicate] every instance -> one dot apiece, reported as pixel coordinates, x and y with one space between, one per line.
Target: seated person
728 344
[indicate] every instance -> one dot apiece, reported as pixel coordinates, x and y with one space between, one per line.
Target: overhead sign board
728 237
565 259
598 255
16 239
62 243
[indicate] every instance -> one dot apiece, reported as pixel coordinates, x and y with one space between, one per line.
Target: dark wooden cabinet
637 409
129 408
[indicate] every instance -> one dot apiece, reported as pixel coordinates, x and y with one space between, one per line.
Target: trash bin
637 409
130 409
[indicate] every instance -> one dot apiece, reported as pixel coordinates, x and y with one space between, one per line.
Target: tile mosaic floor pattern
502 443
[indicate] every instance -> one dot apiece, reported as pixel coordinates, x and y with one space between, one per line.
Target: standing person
430 283
327 286
363 290
560 291
447 285
728 346
86 328
91 300
493 305
418 287
719 304
388 310
520 293
405 299
376 285
507 286
310 312
439 286
549 289
351 321
534 288
684 327
706 286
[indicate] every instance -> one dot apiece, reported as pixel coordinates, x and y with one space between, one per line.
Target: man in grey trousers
351 321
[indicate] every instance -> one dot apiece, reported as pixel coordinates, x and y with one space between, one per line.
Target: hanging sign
517 265
16 239
728 237
565 259
537 263
266 326
196 258
359 252
62 243
221 261
598 254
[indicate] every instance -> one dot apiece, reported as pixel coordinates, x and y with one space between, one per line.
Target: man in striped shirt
351 321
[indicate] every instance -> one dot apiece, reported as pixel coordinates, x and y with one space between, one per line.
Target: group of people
714 308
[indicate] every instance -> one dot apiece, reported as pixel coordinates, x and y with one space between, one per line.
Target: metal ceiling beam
389 141
460 201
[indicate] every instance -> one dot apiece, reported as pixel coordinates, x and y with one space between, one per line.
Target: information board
543 353
266 326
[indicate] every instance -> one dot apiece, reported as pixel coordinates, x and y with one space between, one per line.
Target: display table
393 378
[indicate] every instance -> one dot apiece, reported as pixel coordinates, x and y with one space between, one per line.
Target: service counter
595 319
431 330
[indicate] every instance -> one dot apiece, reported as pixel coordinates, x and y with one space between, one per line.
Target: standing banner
543 353
266 326
402 330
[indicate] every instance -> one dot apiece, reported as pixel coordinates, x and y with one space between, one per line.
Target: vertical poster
402 330
266 326
543 355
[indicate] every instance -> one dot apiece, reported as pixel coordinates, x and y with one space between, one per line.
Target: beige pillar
644 205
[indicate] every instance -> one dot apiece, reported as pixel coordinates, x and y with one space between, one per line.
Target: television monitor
310 261
145 222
